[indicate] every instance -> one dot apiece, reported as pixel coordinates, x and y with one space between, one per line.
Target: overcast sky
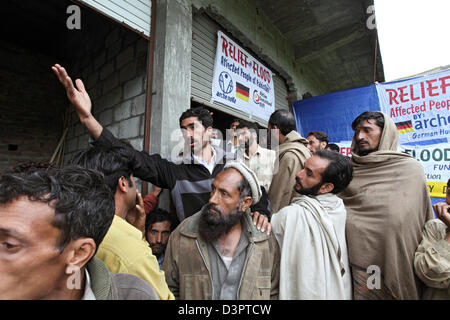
414 35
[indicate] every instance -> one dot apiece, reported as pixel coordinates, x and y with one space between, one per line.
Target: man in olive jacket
218 253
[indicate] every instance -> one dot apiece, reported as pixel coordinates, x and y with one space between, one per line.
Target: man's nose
360 135
159 238
213 198
299 174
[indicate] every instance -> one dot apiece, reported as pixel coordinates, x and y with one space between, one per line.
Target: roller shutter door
135 14
204 42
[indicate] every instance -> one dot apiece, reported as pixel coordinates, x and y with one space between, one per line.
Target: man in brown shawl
387 206
292 154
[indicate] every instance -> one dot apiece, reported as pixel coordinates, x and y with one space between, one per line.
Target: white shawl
311 235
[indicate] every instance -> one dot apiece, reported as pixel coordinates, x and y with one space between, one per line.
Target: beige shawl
387 206
314 259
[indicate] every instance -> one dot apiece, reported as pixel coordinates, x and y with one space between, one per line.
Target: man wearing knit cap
218 253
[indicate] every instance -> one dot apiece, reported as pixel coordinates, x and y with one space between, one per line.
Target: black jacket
189 183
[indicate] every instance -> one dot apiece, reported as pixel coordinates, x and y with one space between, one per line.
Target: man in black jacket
190 181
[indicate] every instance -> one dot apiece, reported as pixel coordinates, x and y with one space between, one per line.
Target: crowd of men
300 221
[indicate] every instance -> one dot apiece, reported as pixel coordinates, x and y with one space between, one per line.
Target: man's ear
323 145
246 203
122 184
80 252
327 187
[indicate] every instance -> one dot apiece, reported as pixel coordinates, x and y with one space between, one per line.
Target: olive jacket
187 266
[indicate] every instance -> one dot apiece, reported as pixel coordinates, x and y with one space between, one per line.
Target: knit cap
248 175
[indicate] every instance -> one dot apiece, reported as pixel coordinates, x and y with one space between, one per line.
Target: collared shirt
226 279
88 293
212 163
262 162
124 251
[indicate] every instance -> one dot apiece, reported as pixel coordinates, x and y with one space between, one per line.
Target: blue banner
333 113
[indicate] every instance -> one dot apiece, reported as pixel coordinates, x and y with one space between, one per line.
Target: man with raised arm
190 181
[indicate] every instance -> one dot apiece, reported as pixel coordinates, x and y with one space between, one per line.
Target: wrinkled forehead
228 180
28 220
368 123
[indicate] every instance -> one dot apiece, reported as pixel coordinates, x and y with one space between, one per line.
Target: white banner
435 160
420 107
240 81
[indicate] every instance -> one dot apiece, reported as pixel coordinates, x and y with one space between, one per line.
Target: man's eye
9 246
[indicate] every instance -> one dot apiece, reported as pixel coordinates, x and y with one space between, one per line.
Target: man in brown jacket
218 253
292 154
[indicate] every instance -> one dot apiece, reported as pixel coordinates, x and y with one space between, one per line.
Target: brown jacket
187 266
292 154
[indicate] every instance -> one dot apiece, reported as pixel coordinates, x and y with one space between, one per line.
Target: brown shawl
387 206
292 154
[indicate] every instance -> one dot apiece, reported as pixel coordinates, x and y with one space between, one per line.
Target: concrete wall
113 67
31 106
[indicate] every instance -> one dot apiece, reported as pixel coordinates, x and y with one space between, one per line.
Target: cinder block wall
31 106
113 67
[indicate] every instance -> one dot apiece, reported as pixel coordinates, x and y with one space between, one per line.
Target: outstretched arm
80 99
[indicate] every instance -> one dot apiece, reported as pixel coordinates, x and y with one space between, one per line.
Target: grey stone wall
114 71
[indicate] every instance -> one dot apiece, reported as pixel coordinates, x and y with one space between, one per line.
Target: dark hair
321 136
235 120
339 171
113 162
334 147
160 215
252 126
84 205
284 120
31 166
203 115
367 115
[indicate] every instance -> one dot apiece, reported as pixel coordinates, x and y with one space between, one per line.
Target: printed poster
420 108
240 81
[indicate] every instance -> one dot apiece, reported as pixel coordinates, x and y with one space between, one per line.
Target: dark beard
212 227
309 191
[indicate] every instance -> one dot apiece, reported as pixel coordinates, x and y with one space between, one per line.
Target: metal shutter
204 42
135 14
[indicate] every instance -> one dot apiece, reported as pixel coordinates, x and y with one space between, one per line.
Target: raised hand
442 212
79 97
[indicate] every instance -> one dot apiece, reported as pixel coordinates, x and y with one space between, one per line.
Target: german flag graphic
242 92
405 126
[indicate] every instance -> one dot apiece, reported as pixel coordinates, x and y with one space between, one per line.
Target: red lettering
224 46
402 94
412 93
444 85
392 96
430 88
422 89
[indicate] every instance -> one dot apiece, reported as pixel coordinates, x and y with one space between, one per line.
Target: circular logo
256 97
225 83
